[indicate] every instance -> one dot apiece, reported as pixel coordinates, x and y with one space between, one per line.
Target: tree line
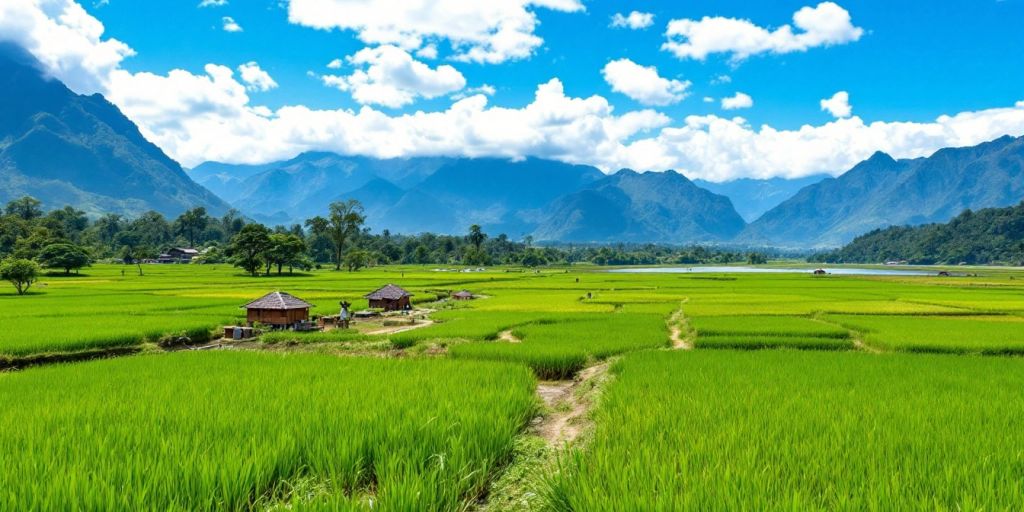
66 239
988 236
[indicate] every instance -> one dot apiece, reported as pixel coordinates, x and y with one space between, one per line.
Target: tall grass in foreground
237 431
559 349
727 430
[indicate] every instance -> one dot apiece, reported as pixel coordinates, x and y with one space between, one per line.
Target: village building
390 298
277 309
463 295
820 272
178 255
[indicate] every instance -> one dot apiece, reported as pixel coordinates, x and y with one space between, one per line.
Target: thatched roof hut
463 295
278 309
389 298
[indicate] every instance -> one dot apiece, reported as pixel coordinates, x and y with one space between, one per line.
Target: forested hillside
992 235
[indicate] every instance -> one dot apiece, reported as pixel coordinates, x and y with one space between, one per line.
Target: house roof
186 250
389 292
462 293
278 300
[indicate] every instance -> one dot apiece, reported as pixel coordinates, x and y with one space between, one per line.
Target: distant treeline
989 236
67 239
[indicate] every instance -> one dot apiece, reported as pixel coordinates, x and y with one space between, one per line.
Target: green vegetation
786 430
989 236
235 431
20 273
560 348
953 334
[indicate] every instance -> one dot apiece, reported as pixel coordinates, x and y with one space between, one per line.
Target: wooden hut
463 295
277 309
390 298
819 272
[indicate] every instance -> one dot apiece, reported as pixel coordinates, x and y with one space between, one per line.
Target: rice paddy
788 375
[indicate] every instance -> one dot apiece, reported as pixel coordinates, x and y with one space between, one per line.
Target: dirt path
568 403
395 329
508 336
680 336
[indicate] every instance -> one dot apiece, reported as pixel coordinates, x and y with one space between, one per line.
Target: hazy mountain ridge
753 197
882 191
64 148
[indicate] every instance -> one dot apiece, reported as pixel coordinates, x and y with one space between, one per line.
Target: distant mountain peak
70 149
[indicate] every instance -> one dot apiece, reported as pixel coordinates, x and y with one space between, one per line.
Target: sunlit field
725 392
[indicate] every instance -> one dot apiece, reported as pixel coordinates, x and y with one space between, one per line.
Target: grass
237 431
557 349
786 430
991 335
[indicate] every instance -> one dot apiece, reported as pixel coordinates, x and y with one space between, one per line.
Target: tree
64 255
248 247
356 259
284 249
756 258
20 272
132 249
476 236
191 224
67 223
345 220
25 208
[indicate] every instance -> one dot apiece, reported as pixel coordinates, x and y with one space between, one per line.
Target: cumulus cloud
737 101
335 64
389 76
824 25
484 31
230 25
485 89
255 78
213 3
65 38
635 20
209 116
643 84
838 105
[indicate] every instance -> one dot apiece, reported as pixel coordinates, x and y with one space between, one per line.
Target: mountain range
882 191
67 149
549 200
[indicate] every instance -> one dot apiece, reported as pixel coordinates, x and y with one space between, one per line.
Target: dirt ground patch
568 403
681 338
507 336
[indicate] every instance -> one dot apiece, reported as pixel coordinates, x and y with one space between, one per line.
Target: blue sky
917 59
561 80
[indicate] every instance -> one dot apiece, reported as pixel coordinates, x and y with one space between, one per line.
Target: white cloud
485 89
635 20
393 78
334 64
427 52
485 31
824 25
643 84
230 25
838 105
209 116
65 38
737 101
255 78
213 3
721 79
708 99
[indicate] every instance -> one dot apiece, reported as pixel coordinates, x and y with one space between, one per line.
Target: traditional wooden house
277 309
463 295
390 298
178 255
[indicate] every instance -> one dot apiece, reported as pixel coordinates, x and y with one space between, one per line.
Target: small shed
390 298
819 272
463 295
278 309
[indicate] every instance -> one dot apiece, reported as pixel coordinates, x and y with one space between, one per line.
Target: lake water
844 271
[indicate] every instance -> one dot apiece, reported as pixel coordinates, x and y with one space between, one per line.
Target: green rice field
556 389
